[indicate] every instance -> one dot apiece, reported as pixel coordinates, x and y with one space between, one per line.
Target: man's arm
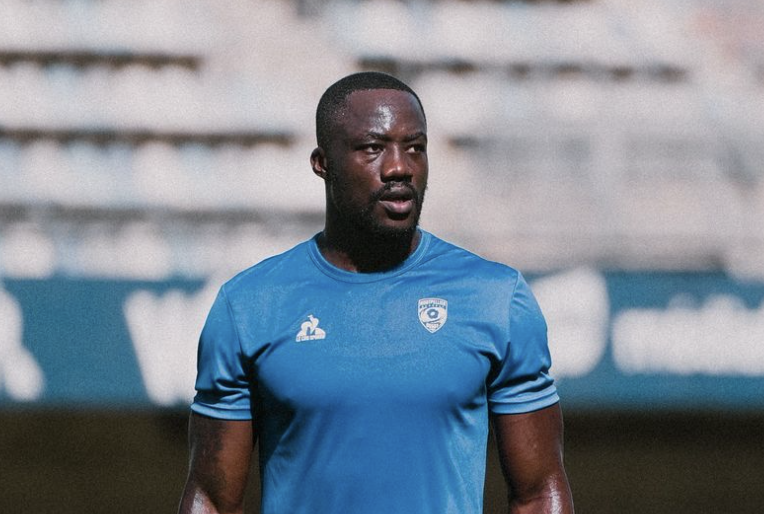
530 452
220 453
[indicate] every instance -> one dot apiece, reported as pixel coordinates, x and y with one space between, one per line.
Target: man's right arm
220 453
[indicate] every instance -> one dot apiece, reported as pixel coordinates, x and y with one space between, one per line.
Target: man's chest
424 349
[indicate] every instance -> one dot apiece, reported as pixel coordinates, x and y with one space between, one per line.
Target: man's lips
398 207
398 201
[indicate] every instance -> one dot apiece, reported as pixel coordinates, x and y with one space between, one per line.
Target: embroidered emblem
433 313
310 331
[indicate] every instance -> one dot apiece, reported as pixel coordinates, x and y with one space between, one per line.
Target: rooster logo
310 331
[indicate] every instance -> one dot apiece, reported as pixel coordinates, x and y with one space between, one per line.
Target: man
368 360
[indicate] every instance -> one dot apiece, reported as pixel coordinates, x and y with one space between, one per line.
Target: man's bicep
531 454
220 453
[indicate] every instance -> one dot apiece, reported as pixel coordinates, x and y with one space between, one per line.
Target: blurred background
612 150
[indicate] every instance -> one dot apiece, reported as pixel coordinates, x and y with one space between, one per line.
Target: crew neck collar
351 276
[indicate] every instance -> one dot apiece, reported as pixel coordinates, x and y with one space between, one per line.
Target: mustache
395 186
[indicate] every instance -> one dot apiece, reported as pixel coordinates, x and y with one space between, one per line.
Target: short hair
333 99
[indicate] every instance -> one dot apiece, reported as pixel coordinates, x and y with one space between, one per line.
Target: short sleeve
523 383
222 382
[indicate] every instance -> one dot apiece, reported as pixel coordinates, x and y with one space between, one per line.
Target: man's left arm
530 451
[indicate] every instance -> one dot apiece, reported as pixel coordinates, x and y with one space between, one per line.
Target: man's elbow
549 496
196 500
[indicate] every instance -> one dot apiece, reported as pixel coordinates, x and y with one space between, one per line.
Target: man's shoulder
273 270
452 256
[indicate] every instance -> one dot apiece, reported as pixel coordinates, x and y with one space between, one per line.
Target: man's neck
364 252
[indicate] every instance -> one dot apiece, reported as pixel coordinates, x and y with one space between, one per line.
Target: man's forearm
217 478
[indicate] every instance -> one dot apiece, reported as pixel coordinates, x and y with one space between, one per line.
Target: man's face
376 163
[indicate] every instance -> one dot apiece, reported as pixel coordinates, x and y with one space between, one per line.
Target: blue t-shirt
370 392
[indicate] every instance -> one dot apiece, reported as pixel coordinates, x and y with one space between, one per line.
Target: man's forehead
372 98
377 105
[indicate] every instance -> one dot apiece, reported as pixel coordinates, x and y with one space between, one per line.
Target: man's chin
383 225
394 231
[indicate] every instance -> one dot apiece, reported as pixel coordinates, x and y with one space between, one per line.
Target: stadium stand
596 126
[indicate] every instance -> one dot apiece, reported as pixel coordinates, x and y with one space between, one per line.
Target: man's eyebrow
386 137
376 135
415 136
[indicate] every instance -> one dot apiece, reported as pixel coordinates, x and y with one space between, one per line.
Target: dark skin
220 458
530 452
375 173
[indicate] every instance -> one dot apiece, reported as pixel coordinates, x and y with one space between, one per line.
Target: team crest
433 313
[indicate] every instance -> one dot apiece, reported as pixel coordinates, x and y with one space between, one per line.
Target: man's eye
371 148
418 148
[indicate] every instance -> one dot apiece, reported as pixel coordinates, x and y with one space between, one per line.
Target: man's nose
396 165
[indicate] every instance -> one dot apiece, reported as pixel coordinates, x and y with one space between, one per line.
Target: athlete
368 361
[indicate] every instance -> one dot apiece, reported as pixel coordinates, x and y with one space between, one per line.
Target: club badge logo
433 313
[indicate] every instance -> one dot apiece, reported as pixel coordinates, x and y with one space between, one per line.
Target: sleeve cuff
235 414
524 405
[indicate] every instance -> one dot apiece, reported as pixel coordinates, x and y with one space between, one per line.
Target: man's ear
318 162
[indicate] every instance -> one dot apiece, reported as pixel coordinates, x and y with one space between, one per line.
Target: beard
373 240
363 217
